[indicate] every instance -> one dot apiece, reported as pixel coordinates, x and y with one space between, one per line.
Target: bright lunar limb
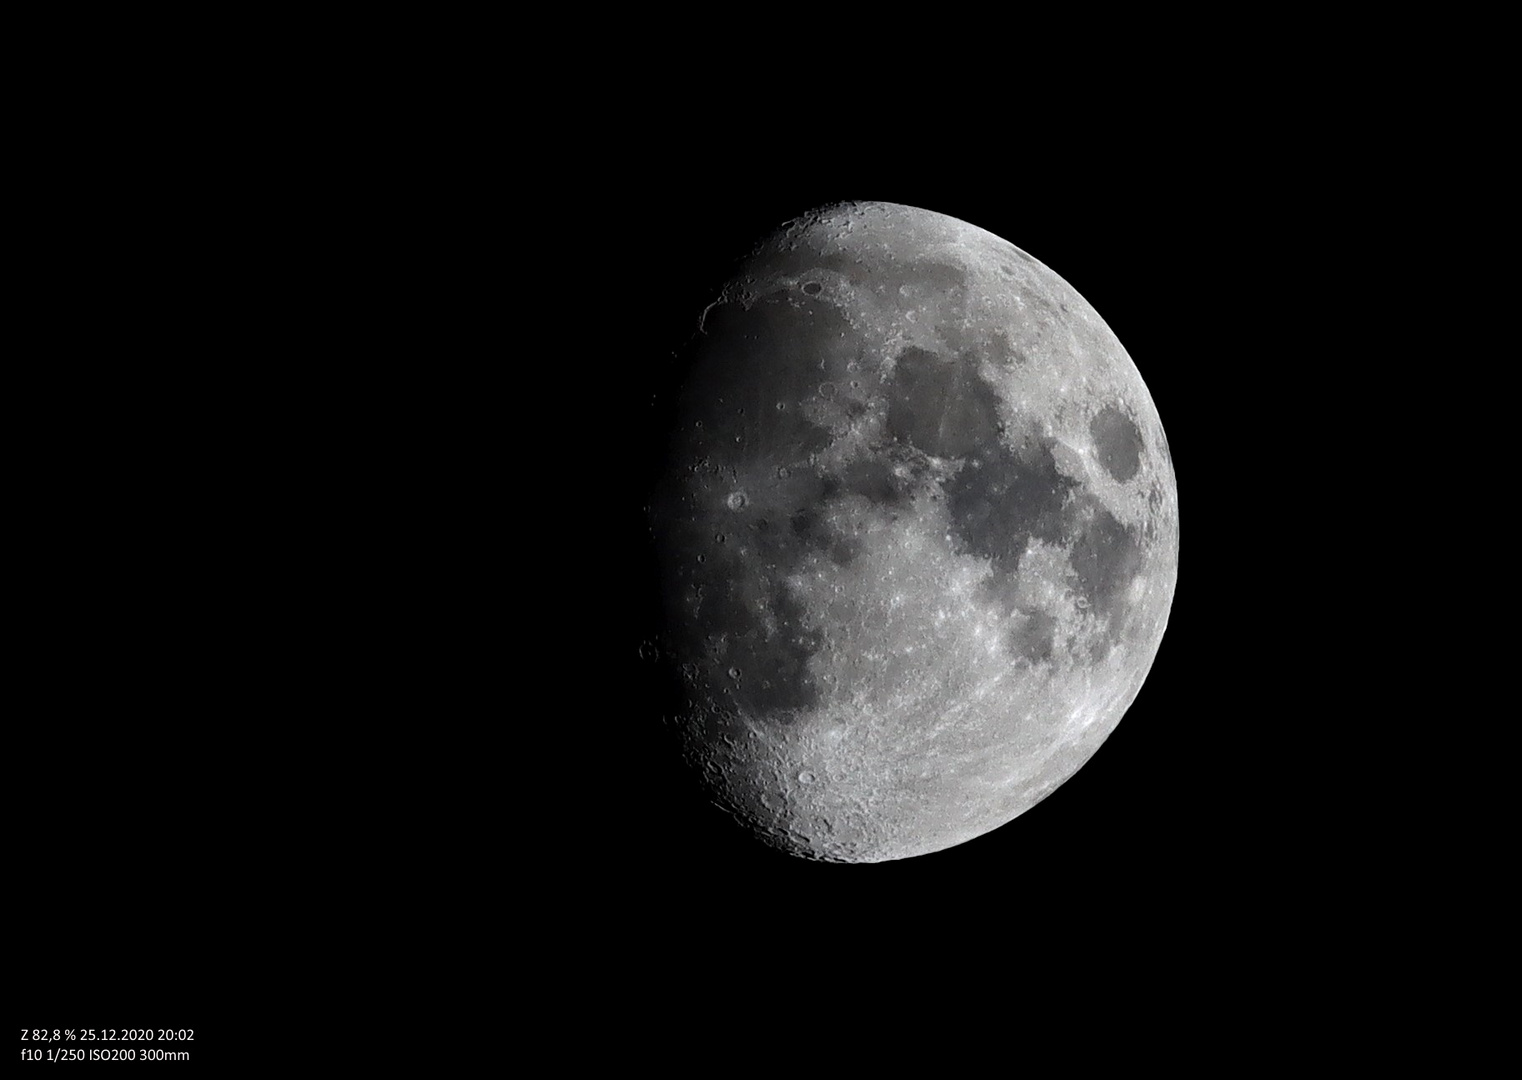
918 532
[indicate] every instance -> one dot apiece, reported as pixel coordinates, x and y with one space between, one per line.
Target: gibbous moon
918 535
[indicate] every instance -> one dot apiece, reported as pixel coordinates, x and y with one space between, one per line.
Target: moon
917 533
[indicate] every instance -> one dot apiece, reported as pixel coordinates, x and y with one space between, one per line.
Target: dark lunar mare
999 503
742 365
1105 556
1034 638
941 406
1007 493
732 620
1118 443
1002 495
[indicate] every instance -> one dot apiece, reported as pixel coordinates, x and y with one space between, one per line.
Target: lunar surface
918 534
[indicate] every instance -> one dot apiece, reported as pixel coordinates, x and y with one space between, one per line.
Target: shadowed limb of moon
918 532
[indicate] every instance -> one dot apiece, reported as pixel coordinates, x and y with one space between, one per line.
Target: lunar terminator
918 535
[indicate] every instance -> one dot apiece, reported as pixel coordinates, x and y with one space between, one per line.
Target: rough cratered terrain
919 535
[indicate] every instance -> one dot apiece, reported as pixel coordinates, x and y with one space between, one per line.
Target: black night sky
410 583
1155 261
